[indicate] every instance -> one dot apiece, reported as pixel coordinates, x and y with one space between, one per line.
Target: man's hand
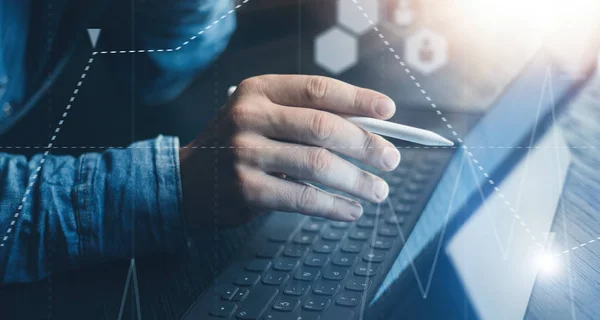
277 132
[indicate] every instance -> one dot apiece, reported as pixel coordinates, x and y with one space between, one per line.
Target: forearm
100 206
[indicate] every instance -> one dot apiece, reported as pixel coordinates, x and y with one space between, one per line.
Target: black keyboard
307 268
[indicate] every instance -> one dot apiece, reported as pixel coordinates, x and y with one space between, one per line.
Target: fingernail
381 190
385 107
355 210
390 158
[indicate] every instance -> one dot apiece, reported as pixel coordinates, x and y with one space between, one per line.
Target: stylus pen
393 130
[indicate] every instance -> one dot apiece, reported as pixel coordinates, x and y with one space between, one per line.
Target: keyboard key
247 280
316 260
344 259
269 250
222 309
352 247
296 288
366 223
286 304
419 177
241 295
332 234
358 284
339 224
229 292
285 264
325 288
258 265
369 207
375 256
316 303
257 302
382 243
335 273
280 235
295 315
275 278
407 198
366 269
388 231
349 299
324 247
414 188
304 238
312 226
294 251
402 209
359 235
395 220
307 274
373 212
339 313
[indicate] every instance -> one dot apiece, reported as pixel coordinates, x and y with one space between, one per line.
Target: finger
275 194
323 93
327 130
321 166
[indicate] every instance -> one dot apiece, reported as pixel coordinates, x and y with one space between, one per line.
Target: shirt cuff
129 201
170 195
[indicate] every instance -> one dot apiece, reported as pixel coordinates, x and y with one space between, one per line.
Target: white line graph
445 121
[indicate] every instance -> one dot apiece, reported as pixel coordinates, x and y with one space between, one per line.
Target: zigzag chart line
474 163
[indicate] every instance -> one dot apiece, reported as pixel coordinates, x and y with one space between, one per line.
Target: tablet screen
518 115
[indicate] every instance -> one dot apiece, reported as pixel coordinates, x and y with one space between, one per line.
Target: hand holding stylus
277 130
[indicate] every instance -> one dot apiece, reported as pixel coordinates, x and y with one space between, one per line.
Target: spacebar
256 303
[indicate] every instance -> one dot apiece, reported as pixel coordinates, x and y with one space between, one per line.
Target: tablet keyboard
307 268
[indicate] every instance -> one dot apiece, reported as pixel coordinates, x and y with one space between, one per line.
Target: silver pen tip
445 142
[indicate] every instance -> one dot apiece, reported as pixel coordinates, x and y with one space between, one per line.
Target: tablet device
516 122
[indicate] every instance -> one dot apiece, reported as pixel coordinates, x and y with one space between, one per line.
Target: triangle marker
94 34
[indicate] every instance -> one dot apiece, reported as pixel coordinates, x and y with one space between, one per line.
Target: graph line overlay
33 178
514 212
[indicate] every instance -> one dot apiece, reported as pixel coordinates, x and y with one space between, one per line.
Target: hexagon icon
404 15
336 50
426 51
350 16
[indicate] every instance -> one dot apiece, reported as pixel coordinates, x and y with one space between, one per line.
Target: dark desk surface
268 41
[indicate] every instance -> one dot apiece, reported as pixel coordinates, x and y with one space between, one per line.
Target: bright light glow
542 17
547 263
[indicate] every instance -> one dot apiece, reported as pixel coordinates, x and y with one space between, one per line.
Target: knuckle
322 126
362 180
253 84
246 184
307 197
319 162
240 147
358 98
240 113
316 88
369 146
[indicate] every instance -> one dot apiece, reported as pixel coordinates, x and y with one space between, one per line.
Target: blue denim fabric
121 202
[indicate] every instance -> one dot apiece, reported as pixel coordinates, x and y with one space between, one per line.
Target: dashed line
34 176
578 246
294 147
428 98
185 43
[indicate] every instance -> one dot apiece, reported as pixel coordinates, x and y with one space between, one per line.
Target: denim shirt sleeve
116 204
